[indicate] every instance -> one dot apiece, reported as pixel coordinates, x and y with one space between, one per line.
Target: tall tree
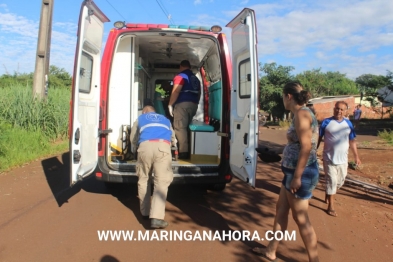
325 84
339 84
385 94
369 85
271 83
313 81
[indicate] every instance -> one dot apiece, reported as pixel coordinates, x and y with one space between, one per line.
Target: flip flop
259 252
331 212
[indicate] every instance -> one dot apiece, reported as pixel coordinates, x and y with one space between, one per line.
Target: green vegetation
284 124
30 128
386 135
369 84
318 83
365 143
19 146
58 78
160 90
270 88
326 84
18 108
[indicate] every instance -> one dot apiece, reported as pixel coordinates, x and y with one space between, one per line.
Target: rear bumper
182 174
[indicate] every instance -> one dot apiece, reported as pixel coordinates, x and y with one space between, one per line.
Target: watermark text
188 235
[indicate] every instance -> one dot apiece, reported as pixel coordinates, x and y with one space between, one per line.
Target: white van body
112 84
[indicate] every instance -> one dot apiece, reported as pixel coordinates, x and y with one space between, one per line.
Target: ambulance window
85 73
245 79
164 87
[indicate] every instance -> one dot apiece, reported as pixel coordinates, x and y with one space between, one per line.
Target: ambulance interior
144 65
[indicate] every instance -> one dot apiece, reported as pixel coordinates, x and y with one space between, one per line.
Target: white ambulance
112 84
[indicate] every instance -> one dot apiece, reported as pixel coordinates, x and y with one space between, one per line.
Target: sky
352 37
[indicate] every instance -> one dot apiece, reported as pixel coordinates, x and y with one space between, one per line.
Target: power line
168 16
116 10
166 11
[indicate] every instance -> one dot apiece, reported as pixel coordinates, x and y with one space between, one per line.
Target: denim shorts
309 180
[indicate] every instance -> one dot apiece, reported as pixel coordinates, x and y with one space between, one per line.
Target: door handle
245 138
77 136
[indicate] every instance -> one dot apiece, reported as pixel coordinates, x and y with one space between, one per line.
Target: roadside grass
386 135
18 146
366 143
31 129
18 108
284 124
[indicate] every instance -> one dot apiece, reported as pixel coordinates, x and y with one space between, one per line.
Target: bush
284 124
18 146
16 79
386 135
59 78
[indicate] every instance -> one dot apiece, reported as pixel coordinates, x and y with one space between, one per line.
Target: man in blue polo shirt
152 134
339 136
183 104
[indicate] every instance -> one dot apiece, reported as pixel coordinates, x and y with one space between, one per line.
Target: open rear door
244 97
86 92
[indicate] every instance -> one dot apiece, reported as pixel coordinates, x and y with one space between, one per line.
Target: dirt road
41 219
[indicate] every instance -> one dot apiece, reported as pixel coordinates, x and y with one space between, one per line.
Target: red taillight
228 177
98 174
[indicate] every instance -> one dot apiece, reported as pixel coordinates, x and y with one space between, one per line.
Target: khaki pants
157 157
182 117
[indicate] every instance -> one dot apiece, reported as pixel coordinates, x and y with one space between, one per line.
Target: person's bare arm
134 136
304 133
173 138
352 145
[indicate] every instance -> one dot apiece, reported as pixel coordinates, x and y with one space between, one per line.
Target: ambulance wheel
217 187
111 186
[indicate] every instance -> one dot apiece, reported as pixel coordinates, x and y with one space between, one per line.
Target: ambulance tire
119 187
111 186
217 187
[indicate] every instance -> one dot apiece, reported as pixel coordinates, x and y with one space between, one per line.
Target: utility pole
41 72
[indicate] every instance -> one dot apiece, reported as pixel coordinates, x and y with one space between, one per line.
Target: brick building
323 107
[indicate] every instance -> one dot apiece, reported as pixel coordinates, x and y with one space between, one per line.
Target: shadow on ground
238 207
275 147
58 177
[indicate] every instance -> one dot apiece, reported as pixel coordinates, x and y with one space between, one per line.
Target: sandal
261 252
331 212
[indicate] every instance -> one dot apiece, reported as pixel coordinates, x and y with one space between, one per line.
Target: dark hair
147 109
185 63
296 89
311 107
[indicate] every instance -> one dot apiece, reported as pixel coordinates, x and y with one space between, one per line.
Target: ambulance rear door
244 97
86 92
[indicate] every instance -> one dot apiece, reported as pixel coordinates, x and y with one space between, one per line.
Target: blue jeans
309 180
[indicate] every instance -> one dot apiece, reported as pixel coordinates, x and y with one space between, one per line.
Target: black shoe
184 155
145 217
158 223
